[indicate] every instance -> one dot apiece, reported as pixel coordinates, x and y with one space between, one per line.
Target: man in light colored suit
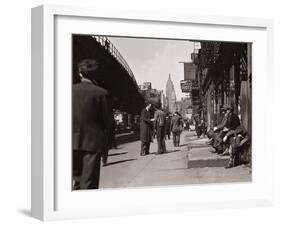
159 125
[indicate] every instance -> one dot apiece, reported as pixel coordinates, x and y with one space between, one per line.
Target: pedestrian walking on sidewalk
91 124
168 126
202 129
176 128
159 125
186 124
110 143
145 129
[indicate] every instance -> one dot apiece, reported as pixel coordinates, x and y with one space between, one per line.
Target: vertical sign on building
189 71
186 86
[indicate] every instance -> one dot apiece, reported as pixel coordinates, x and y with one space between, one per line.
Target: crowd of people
94 126
229 137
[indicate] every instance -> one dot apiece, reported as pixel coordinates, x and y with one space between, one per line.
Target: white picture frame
52 199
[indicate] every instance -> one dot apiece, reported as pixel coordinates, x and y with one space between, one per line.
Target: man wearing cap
218 132
230 122
91 125
232 119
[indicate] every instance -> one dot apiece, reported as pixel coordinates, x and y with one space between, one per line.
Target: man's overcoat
91 117
145 126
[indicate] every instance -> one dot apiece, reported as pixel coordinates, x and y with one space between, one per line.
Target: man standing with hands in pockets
91 125
159 125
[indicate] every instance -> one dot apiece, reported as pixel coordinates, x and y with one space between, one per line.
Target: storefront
224 75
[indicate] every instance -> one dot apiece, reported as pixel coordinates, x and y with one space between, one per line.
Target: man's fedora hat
87 66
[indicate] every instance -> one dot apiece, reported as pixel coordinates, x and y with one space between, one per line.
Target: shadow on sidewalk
120 153
182 145
168 152
172 169
121 161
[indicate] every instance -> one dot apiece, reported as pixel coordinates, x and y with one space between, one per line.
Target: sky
152 60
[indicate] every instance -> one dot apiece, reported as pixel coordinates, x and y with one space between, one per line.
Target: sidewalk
200 155
126 168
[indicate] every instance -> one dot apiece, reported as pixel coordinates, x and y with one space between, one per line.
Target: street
203 84
191 163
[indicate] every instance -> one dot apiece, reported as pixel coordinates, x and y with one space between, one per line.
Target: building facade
152 95
224 73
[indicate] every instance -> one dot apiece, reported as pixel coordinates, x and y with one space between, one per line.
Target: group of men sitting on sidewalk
229 137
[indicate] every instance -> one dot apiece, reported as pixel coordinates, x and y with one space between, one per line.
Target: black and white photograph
160 112
121 113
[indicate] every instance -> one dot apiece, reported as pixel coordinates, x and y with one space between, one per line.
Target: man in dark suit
145 129
91 124
232 123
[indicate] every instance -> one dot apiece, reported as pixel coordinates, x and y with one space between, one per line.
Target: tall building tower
171 95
